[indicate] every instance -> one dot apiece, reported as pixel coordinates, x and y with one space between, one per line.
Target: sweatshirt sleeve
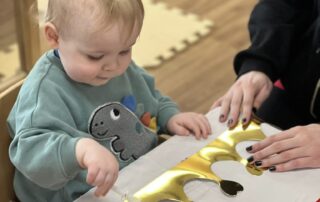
273 27
166 107
44 137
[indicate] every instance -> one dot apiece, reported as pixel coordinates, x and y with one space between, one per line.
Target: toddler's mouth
102 78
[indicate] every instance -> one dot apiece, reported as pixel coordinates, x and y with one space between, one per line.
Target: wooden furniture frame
28 37
7 99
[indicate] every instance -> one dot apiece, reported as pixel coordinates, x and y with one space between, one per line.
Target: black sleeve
273 26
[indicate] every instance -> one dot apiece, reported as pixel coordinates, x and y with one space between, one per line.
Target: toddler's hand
102 166
189 123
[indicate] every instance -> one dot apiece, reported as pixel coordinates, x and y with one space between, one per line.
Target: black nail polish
254 110
249 148
230 122
244 120
258 163
250 159
272 168
221 117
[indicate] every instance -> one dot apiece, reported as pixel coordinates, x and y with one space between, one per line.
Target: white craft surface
301 185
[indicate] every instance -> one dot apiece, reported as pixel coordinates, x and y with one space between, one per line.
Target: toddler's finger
113 179
103 189
180 130
92 173
100 178
207 124
204 132
195 127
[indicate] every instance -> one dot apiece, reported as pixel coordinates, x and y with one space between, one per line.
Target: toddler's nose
109 67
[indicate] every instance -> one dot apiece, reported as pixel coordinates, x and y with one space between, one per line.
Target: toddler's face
96 58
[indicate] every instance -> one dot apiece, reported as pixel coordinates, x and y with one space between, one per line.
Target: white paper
294 186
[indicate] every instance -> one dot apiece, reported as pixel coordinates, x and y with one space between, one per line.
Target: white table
301 185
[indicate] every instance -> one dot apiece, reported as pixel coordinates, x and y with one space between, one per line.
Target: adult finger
298 163
225 107
262 95
283 157
235 108
270 140
275 148
247 104
217 103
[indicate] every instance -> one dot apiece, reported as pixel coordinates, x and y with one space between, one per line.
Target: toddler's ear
51 34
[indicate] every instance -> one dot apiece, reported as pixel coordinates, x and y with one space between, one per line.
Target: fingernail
254 110
249 148
258 163
221 117
230 122
250 159
272 168
244 120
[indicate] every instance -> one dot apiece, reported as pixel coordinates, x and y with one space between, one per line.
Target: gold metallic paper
169 186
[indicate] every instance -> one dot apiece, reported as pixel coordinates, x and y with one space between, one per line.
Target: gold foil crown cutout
169 185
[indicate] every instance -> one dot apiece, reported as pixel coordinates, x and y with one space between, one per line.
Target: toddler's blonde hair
101 13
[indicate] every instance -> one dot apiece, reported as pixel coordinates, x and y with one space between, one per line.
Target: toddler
86 109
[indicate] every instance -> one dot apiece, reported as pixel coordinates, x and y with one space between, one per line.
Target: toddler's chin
100 82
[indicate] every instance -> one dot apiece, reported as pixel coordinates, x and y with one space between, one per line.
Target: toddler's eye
90 57
125 52
115 114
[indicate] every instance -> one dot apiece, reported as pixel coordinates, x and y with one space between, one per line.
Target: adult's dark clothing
285 44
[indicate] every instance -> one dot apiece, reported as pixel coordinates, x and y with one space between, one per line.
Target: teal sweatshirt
51 114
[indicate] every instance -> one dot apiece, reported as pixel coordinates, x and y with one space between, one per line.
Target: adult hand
249 91
102 166
298 147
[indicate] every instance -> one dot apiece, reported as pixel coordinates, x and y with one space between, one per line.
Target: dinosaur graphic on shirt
116 125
